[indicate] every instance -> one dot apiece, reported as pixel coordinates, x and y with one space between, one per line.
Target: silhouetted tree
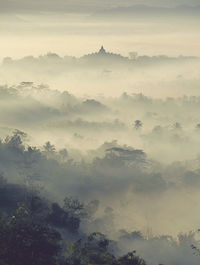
131 259
138 124
48 147
27 241
177 126
96 251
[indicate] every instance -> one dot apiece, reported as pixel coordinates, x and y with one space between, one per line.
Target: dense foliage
30 234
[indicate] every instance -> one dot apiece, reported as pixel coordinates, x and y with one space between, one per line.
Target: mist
99 107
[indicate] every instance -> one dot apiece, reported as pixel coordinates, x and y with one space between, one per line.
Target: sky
78 27
82 5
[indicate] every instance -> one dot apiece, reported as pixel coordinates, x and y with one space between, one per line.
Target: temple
103 58
103 54
102 50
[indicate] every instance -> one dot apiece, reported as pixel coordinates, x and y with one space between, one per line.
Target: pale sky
82 5
37 27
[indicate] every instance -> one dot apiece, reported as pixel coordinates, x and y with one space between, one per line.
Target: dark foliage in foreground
95 251
29 235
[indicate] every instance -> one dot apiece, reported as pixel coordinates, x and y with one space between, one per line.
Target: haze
100 101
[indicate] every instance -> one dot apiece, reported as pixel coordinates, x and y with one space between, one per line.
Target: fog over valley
99 132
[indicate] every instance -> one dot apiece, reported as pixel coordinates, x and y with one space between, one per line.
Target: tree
74 207
49 148
131 259
177 126
93 251
96 250
63 154
15 143
138 124
61 218
26 241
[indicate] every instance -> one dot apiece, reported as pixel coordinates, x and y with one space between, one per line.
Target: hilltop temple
102 54
102 50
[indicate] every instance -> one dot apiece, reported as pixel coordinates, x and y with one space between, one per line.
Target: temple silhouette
102 50
102 56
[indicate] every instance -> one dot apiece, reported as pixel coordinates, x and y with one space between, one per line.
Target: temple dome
102 50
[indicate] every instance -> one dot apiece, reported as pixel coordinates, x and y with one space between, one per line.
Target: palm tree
138 124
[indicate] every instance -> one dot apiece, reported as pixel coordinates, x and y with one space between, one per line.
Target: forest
99 132
63 205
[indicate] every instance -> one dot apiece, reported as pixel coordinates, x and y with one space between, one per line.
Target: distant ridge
135 11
